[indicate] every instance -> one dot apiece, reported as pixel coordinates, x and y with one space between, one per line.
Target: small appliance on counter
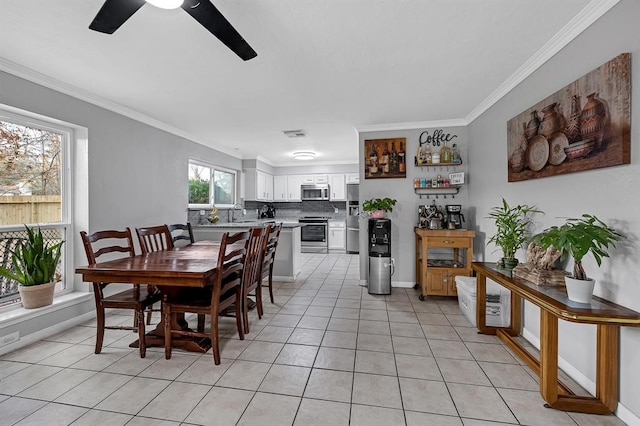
454 217
430 217
267 211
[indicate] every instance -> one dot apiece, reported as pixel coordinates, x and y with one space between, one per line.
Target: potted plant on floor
377 207
512 230
33 266
576 238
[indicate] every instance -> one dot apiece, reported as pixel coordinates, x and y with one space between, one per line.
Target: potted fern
512 229
376 207
33 266
576 238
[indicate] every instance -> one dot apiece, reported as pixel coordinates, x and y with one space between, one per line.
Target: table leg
607 365
548 357
481 305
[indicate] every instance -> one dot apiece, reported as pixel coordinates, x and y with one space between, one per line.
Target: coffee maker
454 217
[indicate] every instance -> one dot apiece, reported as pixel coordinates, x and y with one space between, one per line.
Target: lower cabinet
337 235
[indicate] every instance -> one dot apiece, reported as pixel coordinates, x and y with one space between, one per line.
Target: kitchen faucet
230 212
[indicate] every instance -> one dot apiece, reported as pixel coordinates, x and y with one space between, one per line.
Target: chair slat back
231 260
103 242
253 262
270 244
154 238
181 232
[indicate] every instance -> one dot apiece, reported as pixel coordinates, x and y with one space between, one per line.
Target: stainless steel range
313 236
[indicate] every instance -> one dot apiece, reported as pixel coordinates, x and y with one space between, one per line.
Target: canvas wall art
385 158
586 125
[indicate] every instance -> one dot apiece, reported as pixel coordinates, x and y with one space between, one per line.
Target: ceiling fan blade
114 13
211 18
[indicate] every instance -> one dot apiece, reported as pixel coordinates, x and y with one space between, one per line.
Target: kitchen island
287 263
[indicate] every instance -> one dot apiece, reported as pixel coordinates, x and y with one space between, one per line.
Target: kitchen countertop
286 223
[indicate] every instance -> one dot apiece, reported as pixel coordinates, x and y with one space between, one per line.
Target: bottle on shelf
455 155
393 159
427 155
419 155
373 160
384 160
445 154
402 160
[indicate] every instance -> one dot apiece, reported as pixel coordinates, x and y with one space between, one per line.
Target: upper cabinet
352 177
280 192
293 187
258 185
337 187
313 179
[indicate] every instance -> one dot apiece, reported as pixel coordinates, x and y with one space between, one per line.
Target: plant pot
510 262
377 214
36 296
579 290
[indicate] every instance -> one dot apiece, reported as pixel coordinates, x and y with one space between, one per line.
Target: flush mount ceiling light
166 4
304 155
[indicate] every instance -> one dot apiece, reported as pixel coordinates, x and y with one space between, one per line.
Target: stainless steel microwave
314 192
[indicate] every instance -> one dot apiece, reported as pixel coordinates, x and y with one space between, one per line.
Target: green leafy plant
512 226
577 238
33 262
374 204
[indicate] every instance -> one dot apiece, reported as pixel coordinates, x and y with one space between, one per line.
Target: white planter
36 296
580 290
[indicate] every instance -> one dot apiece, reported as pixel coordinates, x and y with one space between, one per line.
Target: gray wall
127 174
609 193
405 213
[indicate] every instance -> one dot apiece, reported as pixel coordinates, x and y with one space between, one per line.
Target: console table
554 304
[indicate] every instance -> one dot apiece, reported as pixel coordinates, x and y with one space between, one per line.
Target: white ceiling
327 66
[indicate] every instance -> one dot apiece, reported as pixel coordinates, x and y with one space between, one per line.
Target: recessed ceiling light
304 155
166 4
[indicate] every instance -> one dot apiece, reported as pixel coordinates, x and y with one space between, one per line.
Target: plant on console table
512 229
33 266
377 207
577 238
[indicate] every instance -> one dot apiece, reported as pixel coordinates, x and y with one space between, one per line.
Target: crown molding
572 29
75 92
456 122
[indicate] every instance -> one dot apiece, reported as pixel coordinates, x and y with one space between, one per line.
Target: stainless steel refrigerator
353 214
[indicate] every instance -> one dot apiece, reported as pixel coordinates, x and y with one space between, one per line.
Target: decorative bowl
579 149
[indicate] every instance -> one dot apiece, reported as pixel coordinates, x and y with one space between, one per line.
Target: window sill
14 316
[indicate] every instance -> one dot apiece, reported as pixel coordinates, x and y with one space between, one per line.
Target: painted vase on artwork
552 121
532 126
517 160
593 121
573 124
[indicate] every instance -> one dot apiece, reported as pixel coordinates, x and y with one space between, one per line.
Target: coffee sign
438 138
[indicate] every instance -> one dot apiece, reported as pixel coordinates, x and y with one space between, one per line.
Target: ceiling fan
114 13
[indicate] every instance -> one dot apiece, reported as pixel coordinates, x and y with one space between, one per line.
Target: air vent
294 133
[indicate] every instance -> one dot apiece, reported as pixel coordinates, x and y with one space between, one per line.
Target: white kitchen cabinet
352 178
337 235
258 185
337 187
280 188
313 179
293 187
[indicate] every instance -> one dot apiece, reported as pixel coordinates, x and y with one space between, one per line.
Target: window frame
25 118
213 168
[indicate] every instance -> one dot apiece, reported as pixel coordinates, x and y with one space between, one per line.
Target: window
211 185
33 189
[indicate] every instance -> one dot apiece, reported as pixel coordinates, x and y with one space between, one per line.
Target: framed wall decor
385 158
585 125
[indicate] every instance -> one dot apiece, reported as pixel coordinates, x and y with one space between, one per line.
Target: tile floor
327 353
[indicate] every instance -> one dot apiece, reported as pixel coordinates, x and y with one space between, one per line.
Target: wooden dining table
193 265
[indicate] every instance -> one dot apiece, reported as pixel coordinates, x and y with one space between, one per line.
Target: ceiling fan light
304 155
166 4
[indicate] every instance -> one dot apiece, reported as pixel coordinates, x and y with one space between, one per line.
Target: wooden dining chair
269 249
216 300
181 233
251 278
152 239
138 298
